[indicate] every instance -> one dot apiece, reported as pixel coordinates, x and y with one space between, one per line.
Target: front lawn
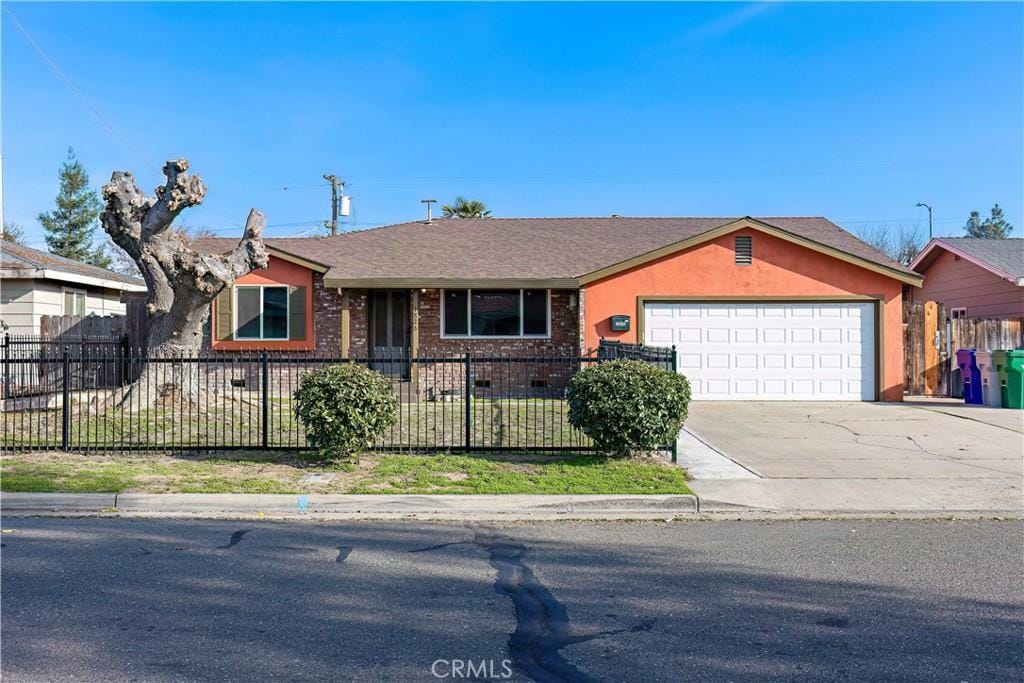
375 473
496 423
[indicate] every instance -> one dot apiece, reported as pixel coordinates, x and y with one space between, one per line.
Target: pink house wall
956 282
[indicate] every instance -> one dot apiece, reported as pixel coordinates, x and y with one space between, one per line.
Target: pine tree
70 226
974 227
994 227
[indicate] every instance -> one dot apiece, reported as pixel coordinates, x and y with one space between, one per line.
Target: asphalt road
184 600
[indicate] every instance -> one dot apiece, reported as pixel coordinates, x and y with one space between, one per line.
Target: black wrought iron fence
45 373
656 355
238 401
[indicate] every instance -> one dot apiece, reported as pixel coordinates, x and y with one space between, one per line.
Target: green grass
78 474
62 478
514 423
281 473
482 474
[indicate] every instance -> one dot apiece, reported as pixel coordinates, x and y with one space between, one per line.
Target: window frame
958 313
469 314
74 290
287 314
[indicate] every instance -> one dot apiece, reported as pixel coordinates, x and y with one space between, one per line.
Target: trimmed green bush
345 408
626 406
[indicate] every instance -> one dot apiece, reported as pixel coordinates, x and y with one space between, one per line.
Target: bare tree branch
181 281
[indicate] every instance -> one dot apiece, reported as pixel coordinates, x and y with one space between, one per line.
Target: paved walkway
704 462
928 455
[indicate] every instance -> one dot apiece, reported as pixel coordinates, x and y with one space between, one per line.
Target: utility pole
929 219
335 184
428 202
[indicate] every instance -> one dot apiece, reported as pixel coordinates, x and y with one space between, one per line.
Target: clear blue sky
855 112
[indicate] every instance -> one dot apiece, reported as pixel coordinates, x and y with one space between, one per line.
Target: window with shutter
297 313
224 330
261 312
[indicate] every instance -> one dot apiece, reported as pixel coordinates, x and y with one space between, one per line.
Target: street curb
57 502
506 507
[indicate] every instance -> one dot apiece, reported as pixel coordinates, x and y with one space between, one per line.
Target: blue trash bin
971 374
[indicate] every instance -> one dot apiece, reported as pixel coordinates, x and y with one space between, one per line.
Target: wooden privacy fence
931 340
57 327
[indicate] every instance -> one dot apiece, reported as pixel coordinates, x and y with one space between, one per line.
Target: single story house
973 277
786 308
35 283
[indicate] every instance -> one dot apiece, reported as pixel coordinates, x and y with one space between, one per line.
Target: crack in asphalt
543 627
235 538
437 547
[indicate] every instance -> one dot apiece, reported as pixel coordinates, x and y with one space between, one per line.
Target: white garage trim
729 306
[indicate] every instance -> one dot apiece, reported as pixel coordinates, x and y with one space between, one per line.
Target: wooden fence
931 340
56 327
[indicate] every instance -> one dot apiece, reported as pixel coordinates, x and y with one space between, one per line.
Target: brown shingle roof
18 256
524 248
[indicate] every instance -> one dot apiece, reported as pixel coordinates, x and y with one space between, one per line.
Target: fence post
467 397
7 365
265 391
675 441
65 420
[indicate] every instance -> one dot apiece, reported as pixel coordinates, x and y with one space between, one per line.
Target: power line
661 177
671 177
71 85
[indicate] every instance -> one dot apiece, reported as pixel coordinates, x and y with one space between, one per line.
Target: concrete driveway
927 455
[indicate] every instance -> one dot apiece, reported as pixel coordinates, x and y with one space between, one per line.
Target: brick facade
434 380
564 331
326 317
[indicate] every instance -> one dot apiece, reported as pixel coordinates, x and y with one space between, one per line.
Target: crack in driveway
857 436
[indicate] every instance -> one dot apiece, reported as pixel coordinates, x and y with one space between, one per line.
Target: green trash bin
1015 379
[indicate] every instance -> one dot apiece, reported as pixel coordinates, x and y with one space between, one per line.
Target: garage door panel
745 351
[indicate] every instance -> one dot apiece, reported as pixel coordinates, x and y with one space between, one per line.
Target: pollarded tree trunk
181 281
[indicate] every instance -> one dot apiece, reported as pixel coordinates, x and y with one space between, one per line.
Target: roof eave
64 276
442 283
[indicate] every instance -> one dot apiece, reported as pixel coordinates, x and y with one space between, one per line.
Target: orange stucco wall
780 269
277 272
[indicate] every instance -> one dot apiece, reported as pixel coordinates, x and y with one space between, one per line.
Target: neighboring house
34 283
973 277
790 308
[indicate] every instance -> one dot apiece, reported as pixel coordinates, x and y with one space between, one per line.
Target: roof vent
744 250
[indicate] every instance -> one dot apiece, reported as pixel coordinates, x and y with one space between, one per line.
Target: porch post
346 323
414 337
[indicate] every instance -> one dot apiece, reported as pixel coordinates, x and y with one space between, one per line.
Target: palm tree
466 208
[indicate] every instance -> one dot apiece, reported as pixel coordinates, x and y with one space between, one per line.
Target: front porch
386 325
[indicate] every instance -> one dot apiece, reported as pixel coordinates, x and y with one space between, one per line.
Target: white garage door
755 351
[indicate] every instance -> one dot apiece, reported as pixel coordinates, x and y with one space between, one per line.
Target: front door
389 331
